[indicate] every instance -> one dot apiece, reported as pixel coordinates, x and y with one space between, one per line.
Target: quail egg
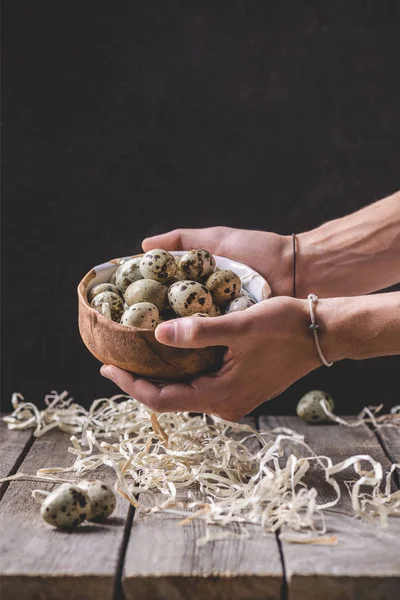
189 297
113 300
197 264
66 507
102 499
214 311
127 273
309 408
102 287
146 290
224 286
205 315
143 315
112 279
159 265
238 304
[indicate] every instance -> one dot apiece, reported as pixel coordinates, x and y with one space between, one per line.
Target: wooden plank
41 562
391 440
164 562
13 445
365 564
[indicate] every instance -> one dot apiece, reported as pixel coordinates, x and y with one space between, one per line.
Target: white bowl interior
252 281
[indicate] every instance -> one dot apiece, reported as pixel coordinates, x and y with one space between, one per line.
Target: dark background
121 120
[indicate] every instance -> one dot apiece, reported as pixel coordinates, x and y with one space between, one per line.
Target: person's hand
268 253
269 347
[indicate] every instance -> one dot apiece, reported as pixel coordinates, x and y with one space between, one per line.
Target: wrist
359 327
281 282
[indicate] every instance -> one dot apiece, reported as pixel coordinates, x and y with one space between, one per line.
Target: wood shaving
160 457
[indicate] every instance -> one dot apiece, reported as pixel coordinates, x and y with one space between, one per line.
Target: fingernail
166 332
105 371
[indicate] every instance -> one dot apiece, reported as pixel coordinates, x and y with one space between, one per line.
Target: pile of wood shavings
159 457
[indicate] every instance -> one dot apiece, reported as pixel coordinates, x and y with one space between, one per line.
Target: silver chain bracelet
313 299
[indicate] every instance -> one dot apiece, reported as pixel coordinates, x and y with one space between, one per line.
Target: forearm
360 327
354 255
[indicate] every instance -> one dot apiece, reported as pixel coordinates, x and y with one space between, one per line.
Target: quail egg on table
143 315
189 297
224 286
127 273
309 408
239 304
102 287
146 290
197 264
159 265
113 300
102 499
66 507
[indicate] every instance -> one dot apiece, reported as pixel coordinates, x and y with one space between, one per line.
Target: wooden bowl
137 350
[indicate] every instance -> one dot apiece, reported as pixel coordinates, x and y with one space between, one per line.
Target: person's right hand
268 253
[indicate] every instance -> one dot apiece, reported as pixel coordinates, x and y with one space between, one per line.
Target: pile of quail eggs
158 286
69 505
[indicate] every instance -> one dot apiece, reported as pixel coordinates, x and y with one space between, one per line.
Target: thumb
193 332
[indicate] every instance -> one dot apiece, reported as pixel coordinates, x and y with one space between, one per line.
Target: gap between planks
163 561
14 447
365 564
389 439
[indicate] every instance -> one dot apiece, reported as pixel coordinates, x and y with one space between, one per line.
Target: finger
186 239
172 397
126 381
193 332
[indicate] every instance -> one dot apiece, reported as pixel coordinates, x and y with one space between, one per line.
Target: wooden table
135 556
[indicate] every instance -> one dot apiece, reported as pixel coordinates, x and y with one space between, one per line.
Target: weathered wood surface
38 561
163 561
391 440
365 564
12 445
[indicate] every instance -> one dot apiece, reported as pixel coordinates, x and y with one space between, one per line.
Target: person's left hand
269 347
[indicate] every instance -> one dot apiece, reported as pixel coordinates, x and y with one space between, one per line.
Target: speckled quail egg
179 276
206 315
214 311
197 264
224 286
189 297
159 265
238 304
66 507
102 287
309 408
113 300
143 315
146 290
102 499
127 273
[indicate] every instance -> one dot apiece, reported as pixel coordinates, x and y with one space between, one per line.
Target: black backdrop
125 119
